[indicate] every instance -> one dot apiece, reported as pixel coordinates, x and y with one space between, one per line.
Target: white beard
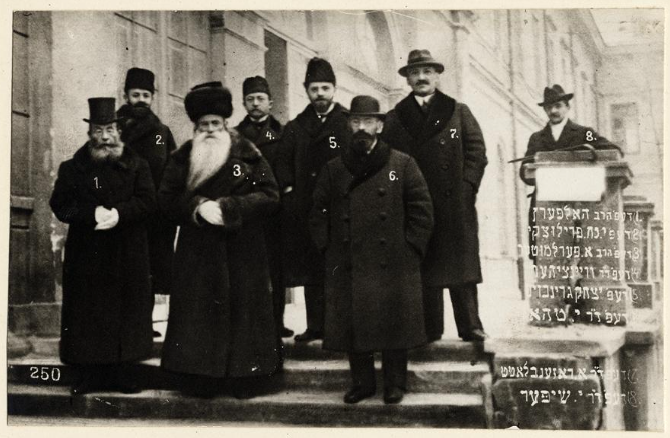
208 155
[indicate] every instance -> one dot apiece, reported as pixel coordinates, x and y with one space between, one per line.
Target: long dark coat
374 237
221 322
307 145
543 141
453 164
154 142
267 139
107 301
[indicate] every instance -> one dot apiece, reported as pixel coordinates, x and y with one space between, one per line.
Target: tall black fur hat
208 98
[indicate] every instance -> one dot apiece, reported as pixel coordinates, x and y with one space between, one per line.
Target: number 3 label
332 142
237 170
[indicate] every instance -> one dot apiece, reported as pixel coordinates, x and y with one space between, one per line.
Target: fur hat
208 98
319 70
139 78
255 84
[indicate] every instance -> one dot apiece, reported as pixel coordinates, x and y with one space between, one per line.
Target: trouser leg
362 367
315 306
394 367
466 308
433 309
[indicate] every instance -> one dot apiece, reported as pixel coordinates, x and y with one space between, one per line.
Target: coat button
381 191
382 241
345 218
383 215
313 174
443 141
445 166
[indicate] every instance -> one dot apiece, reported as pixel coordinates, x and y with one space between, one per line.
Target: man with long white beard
105 194
219 189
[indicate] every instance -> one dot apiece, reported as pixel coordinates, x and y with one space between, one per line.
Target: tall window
625 127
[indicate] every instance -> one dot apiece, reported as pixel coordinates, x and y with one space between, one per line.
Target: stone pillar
579 238
656 259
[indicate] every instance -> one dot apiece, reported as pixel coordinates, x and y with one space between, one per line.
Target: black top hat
101 110
418 58
139 78
555 94
208 98
319 70
255 84
366 106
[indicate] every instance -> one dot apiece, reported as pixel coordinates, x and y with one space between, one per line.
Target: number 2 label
159 139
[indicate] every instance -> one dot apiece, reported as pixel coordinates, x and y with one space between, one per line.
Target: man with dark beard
105 194
260 127
219 189
310 140
372 217
143 132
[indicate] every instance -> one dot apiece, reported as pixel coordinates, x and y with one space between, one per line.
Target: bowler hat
139 78
101 110
419 58
255 84
208 98
365 106
555 94
319 70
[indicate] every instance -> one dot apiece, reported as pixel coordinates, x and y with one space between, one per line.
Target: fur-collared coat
107 300
449 148
307 145
221 322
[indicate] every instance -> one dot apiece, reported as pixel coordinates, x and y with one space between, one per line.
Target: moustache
362 135
422 82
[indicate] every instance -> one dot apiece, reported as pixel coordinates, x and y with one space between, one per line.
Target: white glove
102 214
211 212
112 220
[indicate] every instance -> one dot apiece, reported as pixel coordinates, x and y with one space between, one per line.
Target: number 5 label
332 142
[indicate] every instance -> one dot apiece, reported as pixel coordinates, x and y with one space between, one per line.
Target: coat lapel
422 127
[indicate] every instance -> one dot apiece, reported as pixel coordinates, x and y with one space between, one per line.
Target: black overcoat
221 322
307 145
449 148
374 237
107 301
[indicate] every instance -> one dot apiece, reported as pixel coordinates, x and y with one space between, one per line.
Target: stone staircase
449 382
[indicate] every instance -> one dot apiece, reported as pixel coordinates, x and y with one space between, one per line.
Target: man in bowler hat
310 140
105 194
143 132
261 128
559 133
444 138
372 217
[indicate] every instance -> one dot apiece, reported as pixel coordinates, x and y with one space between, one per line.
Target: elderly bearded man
105 194
219 189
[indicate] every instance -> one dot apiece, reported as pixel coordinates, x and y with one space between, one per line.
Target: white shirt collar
261 120
421 99
557 129
330 108
372 148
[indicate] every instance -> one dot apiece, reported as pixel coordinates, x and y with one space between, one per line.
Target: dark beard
321 105
361 142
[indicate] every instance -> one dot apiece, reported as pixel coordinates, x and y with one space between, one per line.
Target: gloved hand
211 212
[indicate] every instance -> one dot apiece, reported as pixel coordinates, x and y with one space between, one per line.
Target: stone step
292 408
445 349
307 376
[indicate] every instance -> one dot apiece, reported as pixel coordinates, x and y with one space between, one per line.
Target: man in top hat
143 132
219 189
559 133
261 128
105 194
444 138
372 216
313 138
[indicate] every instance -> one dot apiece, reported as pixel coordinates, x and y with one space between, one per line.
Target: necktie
425 107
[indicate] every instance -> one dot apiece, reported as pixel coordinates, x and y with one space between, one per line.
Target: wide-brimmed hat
101 111
555 94
365 106
139 78
208 98
255 84
418 58
319 70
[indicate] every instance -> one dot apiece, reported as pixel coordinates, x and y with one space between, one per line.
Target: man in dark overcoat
219 189
261 128
559 133
143 132
444 138
105 194
372 216
310 140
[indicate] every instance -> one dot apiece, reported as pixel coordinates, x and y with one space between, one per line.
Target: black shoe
286 332
357 394
157 334
393 395
204 392
128 387
243 393
309 336
476 335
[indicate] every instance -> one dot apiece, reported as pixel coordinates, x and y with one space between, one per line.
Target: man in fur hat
105 194
143 132
447 143
260 127
310 140
219 189
372 216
